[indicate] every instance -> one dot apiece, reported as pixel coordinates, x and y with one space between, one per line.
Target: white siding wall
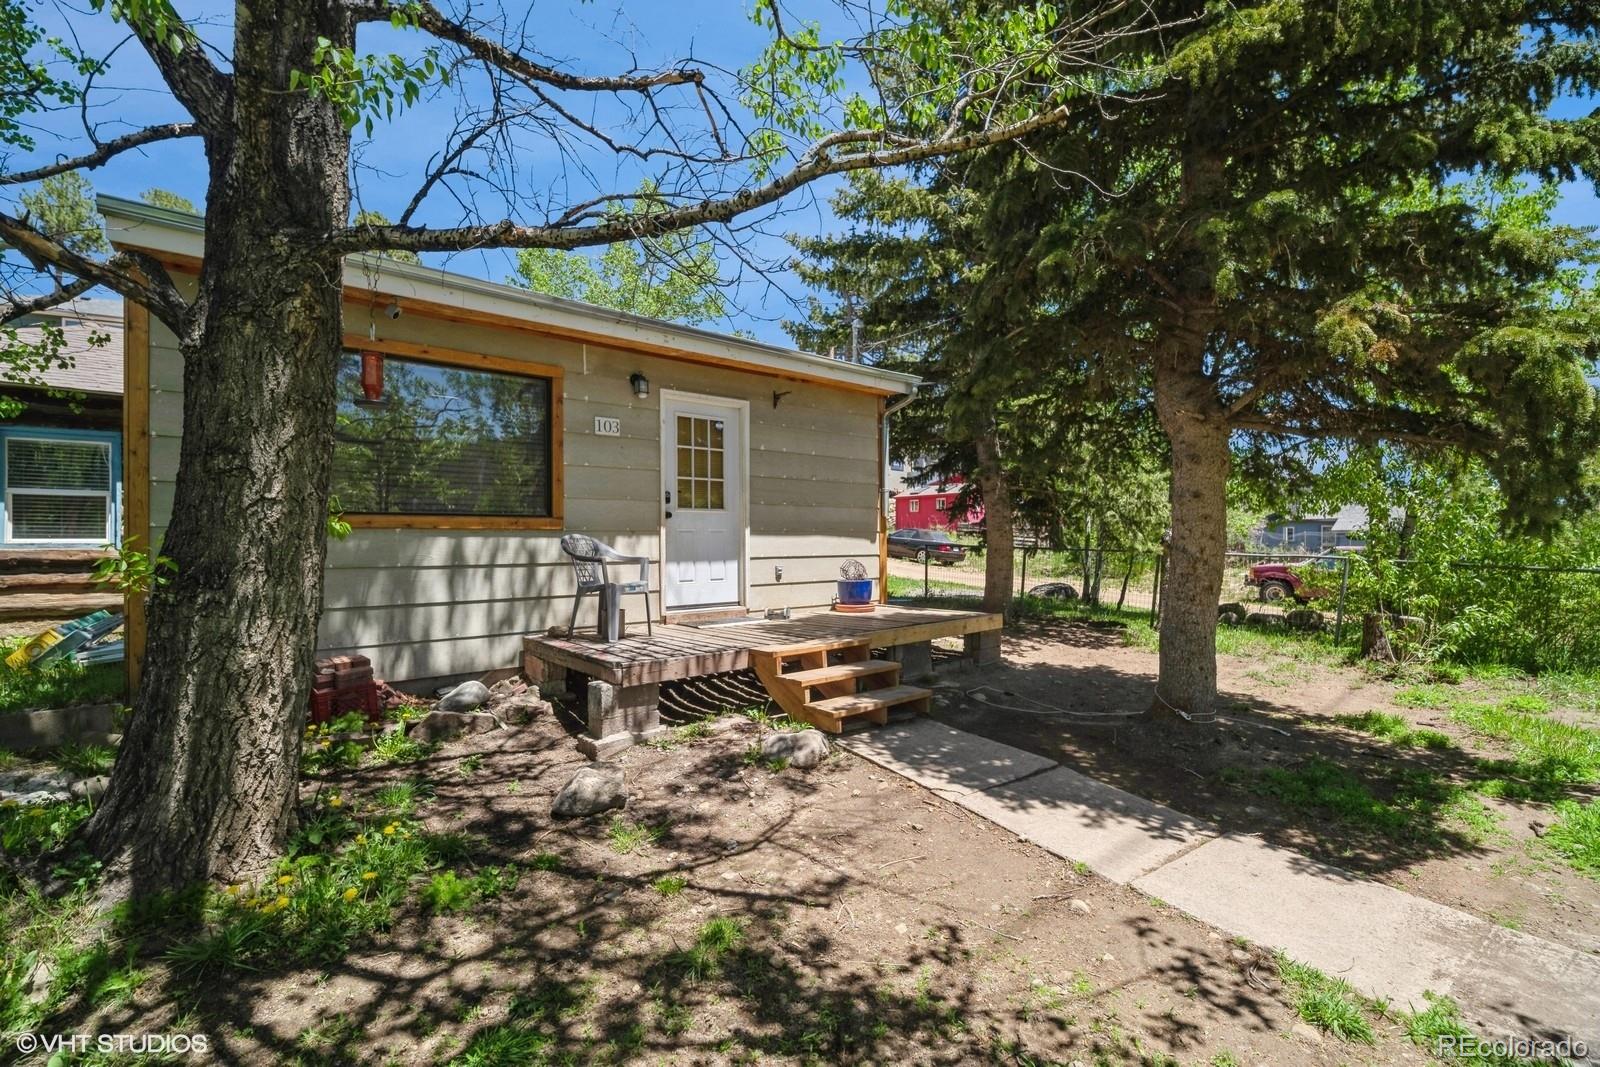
427 603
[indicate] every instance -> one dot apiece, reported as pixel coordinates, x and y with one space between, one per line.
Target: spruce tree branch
819 161
105 151
134 275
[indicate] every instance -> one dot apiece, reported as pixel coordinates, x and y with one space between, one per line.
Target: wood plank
842 672
20 606
61 582
25 558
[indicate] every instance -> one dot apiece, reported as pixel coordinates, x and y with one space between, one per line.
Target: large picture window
59 490
419 438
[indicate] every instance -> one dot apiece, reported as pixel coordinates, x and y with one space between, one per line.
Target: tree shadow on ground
1303 781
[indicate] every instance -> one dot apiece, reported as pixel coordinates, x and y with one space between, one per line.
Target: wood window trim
454 357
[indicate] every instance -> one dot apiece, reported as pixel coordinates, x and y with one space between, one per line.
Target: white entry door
702 464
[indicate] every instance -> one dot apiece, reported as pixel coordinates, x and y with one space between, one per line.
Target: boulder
1232 613
521 708
91 788
440 725
1308 619
591 791
801 748
464 697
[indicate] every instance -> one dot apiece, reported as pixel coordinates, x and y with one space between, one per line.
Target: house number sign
607 426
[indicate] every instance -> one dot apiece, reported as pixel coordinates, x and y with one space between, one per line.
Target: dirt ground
876 923
1066 686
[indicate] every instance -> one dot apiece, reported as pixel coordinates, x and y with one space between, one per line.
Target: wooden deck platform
625 676
690 651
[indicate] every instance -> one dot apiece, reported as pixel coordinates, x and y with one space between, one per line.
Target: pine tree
1275 242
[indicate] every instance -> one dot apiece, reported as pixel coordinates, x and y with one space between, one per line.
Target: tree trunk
204 785
1185 403
999 566
1375 639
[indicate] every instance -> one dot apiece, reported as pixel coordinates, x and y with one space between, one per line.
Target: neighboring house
933 507
485 420
1341 531
61 454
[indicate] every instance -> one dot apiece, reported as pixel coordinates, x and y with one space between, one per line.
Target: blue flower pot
855 592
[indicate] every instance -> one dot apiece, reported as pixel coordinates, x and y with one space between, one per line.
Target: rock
1306 619
521 708
801 748
443 725
1307 1031
1261 618
464 697
1233 614
591 791
91 788
1239 955
1080 906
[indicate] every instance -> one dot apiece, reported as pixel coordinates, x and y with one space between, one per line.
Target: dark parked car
923 545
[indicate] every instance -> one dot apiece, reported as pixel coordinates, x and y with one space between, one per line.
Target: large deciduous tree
204 785
1286 252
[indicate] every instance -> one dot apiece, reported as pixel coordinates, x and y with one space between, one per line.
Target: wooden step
839 672
834 712
55 606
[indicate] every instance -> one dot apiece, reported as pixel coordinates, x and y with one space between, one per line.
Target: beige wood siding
431 603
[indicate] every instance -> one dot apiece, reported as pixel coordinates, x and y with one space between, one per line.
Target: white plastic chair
589 560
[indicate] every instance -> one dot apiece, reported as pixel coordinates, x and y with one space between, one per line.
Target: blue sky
588 37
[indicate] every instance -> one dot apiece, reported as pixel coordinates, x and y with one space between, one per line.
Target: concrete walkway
1386 943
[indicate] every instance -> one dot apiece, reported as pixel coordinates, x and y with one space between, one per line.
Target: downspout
883 482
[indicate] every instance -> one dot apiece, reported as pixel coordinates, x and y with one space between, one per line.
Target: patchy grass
628 837
57 685
716 939
1417 805
1575 835
1326 1003
1553 750
1438 1029
1395 729
85 761
670 885
39 828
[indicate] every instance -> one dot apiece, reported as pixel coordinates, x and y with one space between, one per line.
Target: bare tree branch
205 91
442 26
16 307
818 162
132 274
105 151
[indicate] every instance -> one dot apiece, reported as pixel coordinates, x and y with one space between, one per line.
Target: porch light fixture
641 385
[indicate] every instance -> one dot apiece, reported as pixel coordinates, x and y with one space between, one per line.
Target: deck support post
983 648
915 659
620 716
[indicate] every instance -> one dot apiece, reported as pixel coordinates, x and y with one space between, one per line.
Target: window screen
58 490
442 440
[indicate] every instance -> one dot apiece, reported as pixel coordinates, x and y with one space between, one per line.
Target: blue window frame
60 488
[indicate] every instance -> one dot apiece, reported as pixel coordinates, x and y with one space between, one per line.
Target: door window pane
701 464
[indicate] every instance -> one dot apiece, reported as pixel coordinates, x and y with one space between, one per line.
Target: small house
478 422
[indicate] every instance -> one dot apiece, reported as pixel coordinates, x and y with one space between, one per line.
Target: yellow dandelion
334 801
233 890
369 876
389 829
350 894
361 839
281 902
285 879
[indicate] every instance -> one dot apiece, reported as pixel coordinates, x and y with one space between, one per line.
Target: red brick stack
341 684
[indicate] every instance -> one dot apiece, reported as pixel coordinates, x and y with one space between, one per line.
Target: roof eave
134 224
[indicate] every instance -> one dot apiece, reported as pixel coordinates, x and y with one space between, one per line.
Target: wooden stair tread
871 700
839 672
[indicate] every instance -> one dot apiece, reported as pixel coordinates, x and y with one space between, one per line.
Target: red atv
1276 581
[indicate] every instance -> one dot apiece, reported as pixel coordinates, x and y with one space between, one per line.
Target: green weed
1395 729
57 685
628 837
86 761
546 861
1575 834
716 939
669 885
1326 1003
